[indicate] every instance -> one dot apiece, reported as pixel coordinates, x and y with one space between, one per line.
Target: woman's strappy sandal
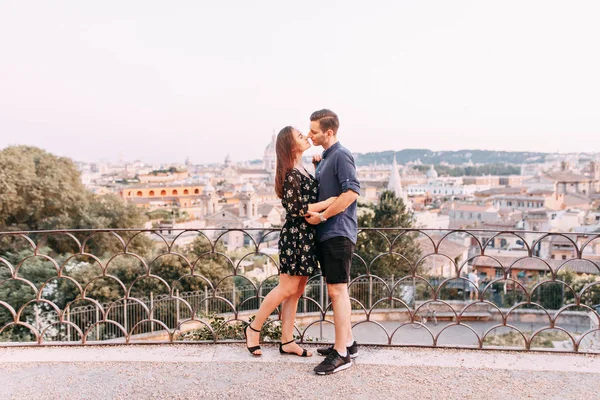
253 348
304 351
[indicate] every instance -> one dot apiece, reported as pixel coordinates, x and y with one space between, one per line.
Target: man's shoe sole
338 369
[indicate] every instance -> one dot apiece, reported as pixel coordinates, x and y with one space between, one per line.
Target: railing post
414 299
97 324
322 302
370 292
125 319
68 315
36 313
233 297
177 308
151 311
304 301
392 292
206 300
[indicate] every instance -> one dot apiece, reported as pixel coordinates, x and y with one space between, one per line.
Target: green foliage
169 170
235 331
39 191
578 282
17 293
390 212
159 214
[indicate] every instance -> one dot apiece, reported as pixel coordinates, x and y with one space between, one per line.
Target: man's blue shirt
336 174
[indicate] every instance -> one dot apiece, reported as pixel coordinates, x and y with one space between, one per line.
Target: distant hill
450 157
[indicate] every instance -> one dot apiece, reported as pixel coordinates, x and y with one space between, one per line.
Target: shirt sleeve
346 173
292 199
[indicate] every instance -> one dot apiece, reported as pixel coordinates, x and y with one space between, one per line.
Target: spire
395 183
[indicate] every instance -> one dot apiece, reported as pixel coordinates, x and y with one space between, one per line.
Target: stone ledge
369 355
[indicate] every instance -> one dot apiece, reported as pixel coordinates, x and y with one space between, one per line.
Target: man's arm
339 205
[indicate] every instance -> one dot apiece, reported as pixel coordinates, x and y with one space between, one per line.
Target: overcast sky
162 81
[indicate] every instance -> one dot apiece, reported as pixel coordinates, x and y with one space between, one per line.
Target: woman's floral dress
297 252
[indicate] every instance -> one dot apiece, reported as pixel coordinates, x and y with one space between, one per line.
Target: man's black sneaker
352 350
333 363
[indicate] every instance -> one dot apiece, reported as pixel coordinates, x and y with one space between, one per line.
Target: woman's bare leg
288 286
288 317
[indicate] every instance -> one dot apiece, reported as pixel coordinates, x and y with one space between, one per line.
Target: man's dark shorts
335 258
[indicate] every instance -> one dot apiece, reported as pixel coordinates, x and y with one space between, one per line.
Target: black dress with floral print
297 253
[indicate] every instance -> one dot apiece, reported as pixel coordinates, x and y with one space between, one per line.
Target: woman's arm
292 196
322 205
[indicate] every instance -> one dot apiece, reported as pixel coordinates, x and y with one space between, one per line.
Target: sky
163 81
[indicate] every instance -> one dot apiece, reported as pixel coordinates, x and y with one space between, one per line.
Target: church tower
395 183
209 200
248 204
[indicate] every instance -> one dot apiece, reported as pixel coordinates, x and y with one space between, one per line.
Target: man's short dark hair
327 120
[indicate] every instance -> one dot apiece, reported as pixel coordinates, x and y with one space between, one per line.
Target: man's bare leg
341 314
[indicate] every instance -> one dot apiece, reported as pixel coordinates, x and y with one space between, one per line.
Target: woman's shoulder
293 174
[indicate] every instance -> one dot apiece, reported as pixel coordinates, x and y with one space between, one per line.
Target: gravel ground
258 381
227 372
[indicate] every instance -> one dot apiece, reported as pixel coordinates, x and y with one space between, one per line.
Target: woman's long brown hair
285 150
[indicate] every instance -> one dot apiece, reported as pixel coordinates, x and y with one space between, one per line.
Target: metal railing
408 287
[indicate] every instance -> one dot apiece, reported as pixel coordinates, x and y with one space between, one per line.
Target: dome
270 149
432 173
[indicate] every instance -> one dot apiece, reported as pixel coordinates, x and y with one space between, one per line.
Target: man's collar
330 149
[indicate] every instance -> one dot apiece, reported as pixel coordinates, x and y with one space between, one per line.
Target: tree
390 212
38 190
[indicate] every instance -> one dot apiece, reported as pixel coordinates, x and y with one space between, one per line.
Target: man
337 231
474 279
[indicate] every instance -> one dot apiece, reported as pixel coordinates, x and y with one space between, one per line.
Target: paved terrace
228 371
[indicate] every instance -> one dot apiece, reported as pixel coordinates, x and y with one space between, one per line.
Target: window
564 257
151 193
186 191
196 191
499 273
174 192
139 194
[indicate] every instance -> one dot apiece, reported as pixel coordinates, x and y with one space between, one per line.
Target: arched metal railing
532 290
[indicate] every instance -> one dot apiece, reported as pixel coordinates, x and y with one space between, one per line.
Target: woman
297 190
